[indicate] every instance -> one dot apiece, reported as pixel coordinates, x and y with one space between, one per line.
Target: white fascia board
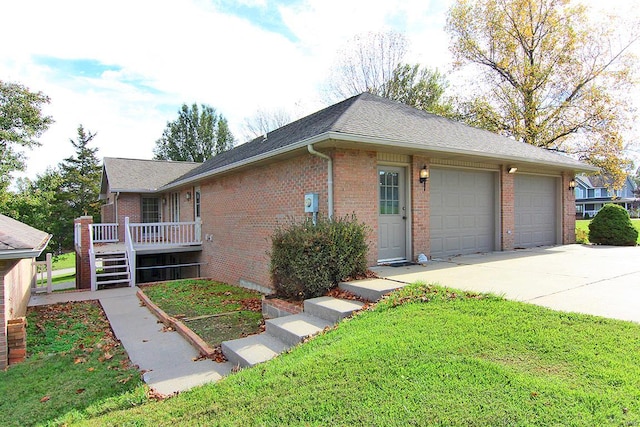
372 140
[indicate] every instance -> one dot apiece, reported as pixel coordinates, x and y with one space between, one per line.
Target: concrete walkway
165 358
598 280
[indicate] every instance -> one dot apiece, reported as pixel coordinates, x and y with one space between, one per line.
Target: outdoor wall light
572 184
188 195
512 169
424 176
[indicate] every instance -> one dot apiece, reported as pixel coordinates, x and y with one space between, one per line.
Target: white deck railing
131 252
104 233
166 233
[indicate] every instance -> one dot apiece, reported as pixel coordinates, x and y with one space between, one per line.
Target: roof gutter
364 139
329 177
25 253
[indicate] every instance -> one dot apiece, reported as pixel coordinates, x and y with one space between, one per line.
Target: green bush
307 260
612 226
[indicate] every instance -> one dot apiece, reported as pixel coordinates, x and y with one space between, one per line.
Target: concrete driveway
599 280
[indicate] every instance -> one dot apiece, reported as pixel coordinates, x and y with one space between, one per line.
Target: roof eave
371 140
25 253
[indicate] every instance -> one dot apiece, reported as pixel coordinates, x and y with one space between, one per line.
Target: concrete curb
198 343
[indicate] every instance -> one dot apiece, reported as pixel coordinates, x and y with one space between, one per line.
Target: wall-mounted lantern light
424 176
188 195
512 169
572 184
164 200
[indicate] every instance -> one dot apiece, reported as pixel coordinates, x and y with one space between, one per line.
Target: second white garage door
535 211
462 212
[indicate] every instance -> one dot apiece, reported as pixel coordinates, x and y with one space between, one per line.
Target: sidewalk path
165 358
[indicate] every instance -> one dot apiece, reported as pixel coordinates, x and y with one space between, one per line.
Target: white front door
392 214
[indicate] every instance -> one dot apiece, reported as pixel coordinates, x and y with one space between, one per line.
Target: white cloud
164 53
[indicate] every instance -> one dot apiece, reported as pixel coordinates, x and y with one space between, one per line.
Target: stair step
102 254
98 275
104 267
371 289
110 259
252 350
331 309
295 328
111 282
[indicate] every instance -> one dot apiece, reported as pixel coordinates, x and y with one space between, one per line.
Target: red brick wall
83 263
507 209
241 210
129 205
568 210
108 213
16 277
355 189
420 212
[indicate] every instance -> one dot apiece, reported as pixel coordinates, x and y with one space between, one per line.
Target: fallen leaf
45 398
79 360
80 390
91 369
108 356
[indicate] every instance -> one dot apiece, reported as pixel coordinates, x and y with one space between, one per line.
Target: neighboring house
20 244
593 192
365 155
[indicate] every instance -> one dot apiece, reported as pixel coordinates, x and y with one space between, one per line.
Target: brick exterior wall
421 244
355 190
241 210
83 263
568 210
128 205
16 277
507 209
108 213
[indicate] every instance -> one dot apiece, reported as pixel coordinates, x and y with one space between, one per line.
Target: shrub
582 236
307 260
612 226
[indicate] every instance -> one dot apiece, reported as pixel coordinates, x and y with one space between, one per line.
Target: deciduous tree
551 77
373 63
196 135
264 121
21 122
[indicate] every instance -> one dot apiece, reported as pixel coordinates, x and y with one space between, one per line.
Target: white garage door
462 206
536 211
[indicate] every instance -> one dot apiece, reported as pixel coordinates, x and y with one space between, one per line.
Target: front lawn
67 260
427 356
215 311
582 226
74 366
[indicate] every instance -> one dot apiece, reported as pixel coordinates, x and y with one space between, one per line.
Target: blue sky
122 69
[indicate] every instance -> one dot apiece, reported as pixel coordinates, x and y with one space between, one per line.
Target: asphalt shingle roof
134 175
371 117
16 235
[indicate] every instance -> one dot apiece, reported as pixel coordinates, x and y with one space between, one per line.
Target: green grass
67 260
430 357
240 309
582 229
75 367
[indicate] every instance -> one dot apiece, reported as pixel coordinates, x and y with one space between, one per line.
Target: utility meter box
311 202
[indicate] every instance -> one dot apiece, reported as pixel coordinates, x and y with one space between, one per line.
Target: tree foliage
196 135
552 78
373 63
21 122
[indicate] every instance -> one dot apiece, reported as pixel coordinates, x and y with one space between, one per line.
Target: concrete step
331 309
252 350
295 328
371 289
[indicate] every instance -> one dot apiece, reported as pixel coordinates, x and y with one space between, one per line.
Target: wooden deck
145 249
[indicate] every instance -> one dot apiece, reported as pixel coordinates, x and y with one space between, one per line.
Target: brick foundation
17 340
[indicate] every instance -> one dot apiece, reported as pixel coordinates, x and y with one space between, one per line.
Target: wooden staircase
112 269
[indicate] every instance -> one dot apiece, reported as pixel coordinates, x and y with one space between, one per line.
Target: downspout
115 209
329 177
